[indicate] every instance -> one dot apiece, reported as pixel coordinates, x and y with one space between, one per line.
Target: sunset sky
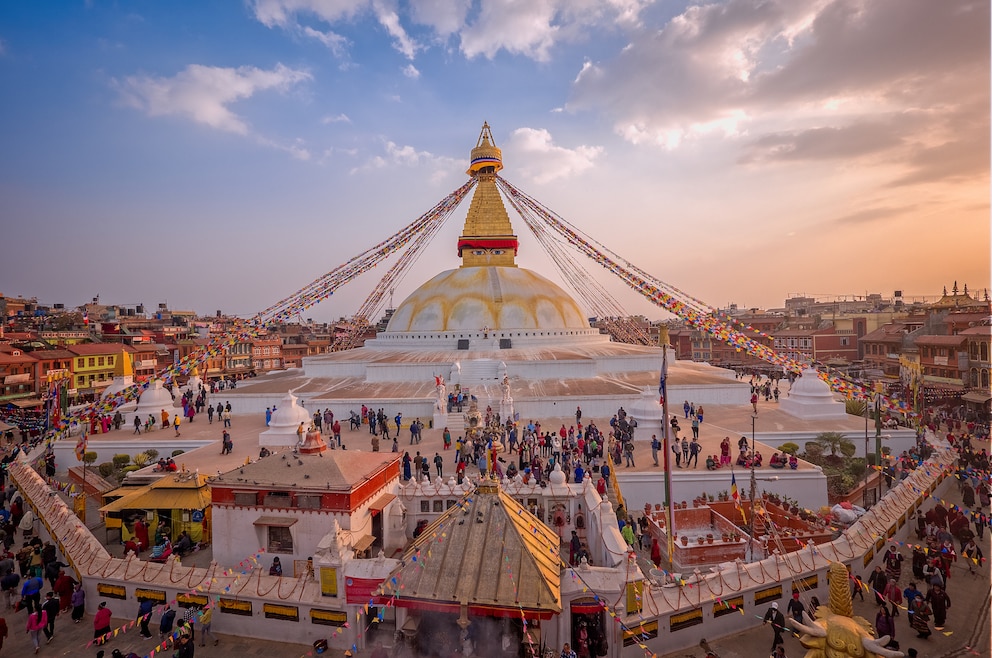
220 155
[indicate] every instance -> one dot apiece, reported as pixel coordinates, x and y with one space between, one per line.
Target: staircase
478 371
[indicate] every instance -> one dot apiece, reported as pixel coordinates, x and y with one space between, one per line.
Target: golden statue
836 632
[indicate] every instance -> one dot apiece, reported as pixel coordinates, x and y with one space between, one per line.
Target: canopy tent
184 498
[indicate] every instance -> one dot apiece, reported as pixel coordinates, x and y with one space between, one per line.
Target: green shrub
152 454
789 448
120 461
141 459
89 457
176 453
106 469
127 469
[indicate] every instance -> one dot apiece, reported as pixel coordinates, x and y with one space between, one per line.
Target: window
843 342
80 380
92 362
308 502
110 360
438 505
448 504
280 539
80 363
278 499
245 498
99 361
425 506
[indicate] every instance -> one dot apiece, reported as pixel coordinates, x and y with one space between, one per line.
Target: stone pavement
968 629
70 640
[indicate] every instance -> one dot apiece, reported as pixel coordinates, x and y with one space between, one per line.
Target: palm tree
835 442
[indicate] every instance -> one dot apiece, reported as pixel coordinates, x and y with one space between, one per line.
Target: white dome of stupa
284 424
155 398
811 398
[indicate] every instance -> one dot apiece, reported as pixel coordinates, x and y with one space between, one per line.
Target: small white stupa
155 398
123 378
810 398
192 384
285 422
649 414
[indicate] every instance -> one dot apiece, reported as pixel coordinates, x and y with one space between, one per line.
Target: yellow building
95 364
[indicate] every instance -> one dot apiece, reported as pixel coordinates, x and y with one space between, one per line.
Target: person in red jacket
36 622
101 623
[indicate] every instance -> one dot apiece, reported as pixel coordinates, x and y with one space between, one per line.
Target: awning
364 542
979 397
152 497
277 521
25 403
182 490
381 503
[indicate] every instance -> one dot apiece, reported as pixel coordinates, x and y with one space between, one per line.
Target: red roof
95 349
951 341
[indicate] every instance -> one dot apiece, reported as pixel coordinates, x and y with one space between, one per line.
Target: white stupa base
506 410
440 418
274 438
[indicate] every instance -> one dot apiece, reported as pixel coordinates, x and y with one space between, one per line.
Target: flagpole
667 450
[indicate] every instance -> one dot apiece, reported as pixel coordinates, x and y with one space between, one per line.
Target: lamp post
864 498
754 486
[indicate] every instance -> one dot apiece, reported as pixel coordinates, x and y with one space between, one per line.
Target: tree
834 442
789 448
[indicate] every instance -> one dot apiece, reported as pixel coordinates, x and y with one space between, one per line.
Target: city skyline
224 156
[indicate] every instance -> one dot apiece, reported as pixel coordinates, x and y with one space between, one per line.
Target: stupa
285 423
154 399
810 398
514 339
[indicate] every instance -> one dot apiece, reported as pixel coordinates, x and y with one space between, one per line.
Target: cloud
872 215
203 93
850 141
789 78
411 71
336 118
390 20
337 44
285 14
546 161
407 156
520 27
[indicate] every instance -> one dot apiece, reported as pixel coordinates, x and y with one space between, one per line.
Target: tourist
796 608
78 601
166 622
939 602
175 423
686 408
685 453
725 451
566 650
36 623
31 593
51 609
695 427
438 464
694 449
184 646
145 616
137 425
885 625
777 620
919 616
893 562
655 552
268 416
101 624
655 446
894 596
628 453
206 619
711 463
754 402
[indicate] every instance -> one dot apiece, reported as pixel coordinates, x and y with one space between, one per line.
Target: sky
220 155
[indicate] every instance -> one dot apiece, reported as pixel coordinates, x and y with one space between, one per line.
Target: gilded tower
487 238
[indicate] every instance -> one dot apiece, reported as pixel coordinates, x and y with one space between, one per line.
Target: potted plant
684 540
709 538
711 498
701 540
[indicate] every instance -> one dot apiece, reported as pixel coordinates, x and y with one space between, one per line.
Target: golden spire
487 238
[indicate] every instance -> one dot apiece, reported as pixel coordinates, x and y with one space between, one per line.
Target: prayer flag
736 496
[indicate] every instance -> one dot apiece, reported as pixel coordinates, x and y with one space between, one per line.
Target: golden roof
487 551
187 491
487 238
